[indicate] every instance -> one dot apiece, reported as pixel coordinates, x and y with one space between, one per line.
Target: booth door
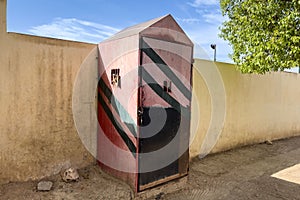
164 112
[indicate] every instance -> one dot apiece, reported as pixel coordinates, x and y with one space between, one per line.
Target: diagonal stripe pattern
108 94
164 95
160 63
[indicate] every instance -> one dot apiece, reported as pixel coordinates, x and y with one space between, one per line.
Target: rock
44 186
70 175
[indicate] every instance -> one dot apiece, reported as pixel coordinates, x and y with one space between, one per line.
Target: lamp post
214 47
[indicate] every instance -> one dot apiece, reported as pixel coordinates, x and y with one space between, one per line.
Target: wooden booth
144 103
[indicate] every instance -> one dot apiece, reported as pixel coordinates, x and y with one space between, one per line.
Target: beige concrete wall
38 136
2 17
258 107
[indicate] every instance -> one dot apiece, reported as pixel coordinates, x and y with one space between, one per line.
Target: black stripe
164 95
165 69
117 106
117 126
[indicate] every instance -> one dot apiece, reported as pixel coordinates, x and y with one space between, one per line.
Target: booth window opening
115 77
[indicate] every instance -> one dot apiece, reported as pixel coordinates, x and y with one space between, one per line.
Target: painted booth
144 103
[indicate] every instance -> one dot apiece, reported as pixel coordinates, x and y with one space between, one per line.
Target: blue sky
94 20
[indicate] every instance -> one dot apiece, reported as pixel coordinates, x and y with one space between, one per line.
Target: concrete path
244 173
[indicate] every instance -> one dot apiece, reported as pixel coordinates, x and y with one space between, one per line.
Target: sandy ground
243 173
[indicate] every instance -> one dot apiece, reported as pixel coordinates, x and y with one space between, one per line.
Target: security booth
144 103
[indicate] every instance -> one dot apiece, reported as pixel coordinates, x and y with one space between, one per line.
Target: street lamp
214 47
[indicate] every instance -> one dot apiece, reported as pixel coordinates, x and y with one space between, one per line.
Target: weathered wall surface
38 136
258 107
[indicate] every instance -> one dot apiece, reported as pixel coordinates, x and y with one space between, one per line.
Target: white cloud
203 34
188 20
203 29
198 3
212 16
74 29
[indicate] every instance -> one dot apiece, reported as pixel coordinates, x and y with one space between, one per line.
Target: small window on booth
168 86
116 78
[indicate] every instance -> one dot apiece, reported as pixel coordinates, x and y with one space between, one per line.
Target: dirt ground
243 173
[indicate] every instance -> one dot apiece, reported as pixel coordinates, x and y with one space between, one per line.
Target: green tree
264 34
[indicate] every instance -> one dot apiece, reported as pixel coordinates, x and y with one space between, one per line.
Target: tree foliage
264 34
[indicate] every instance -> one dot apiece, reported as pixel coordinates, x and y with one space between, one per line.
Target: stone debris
70 175
44 186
